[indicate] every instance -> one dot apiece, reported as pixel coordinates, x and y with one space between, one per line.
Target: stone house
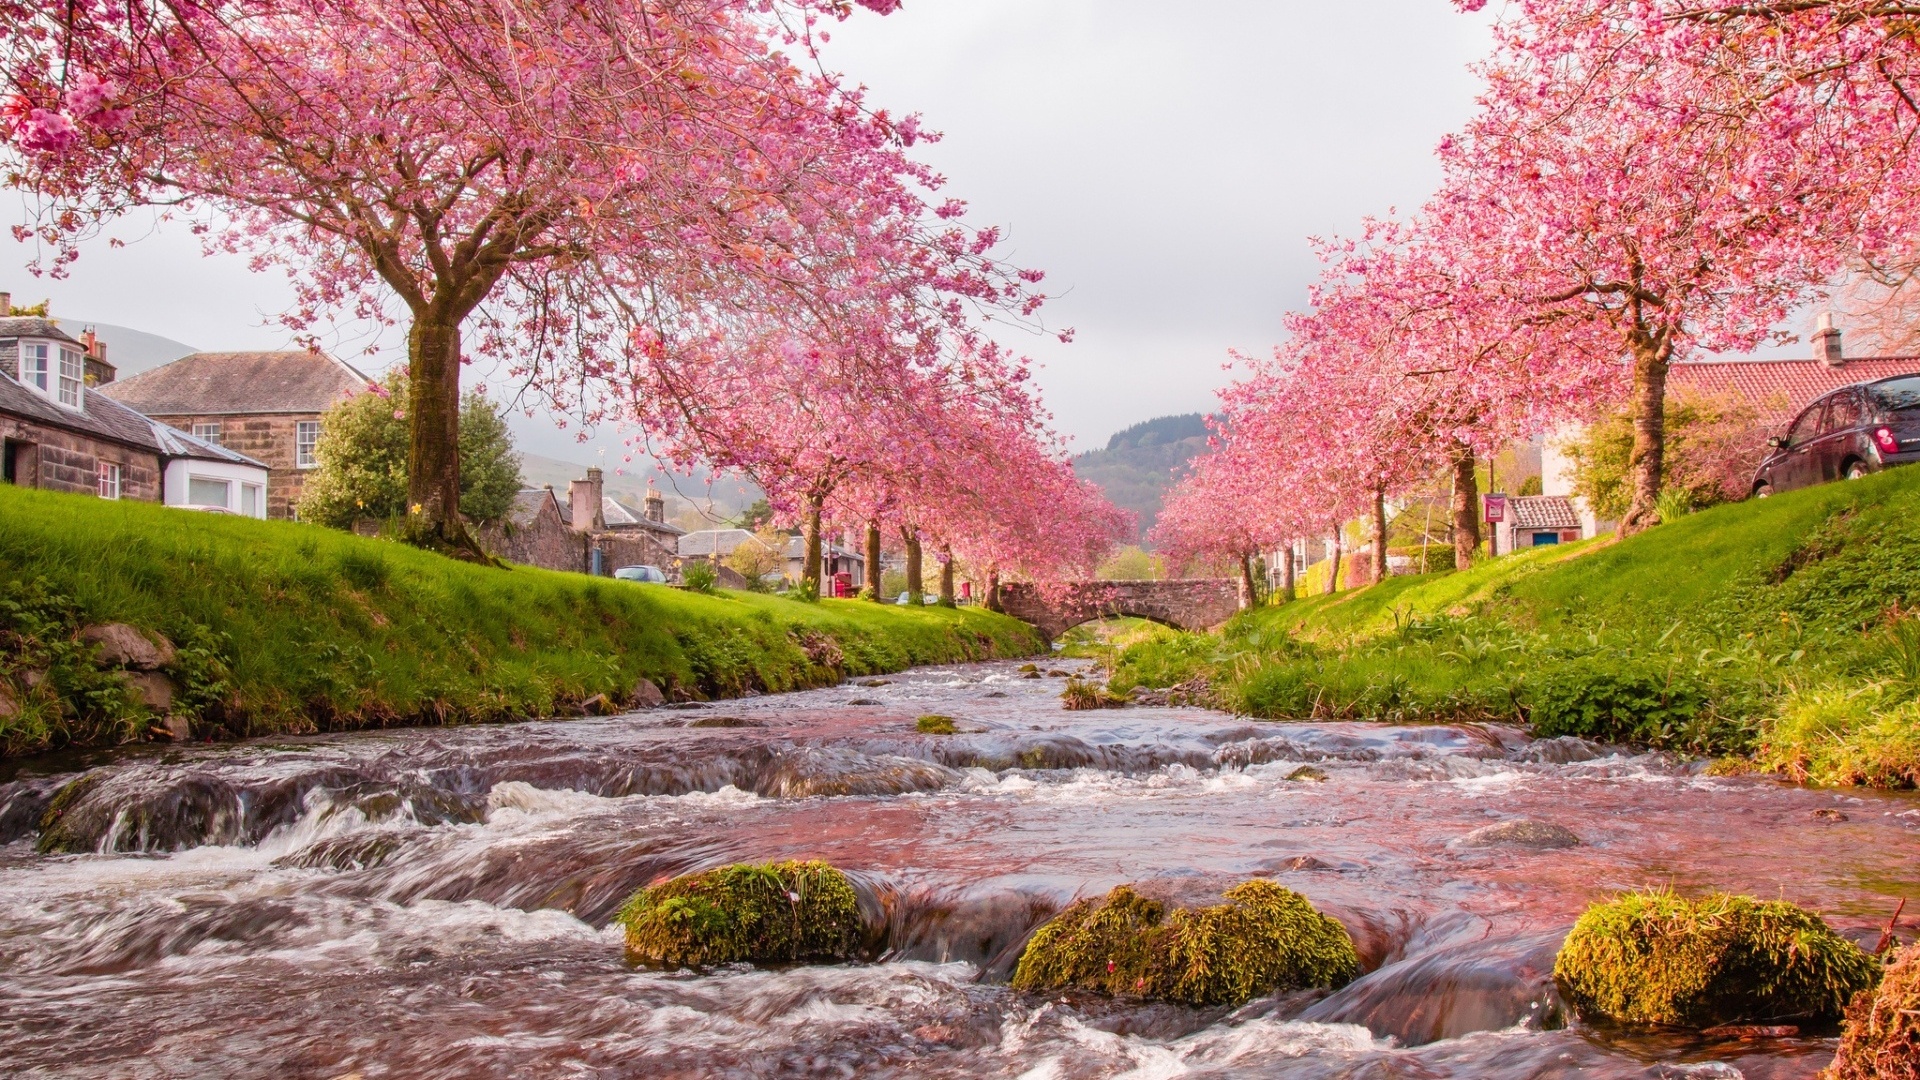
587 533
60 433
835 558
265 405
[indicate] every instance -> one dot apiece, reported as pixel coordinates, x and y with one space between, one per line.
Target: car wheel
1856 470
1763 490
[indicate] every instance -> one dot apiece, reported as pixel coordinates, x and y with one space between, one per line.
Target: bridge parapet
1185 604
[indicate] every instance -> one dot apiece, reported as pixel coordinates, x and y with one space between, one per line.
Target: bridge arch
1186 604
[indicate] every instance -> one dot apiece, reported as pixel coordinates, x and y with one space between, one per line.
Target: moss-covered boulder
1262 939
769 912
1882 1036
1658 958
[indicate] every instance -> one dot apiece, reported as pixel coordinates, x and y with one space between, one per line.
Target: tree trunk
1379 536
1466 507
1286 574
1246 594
810 568
873 563
947 592
433 449
993 592
1647 465
916 575
1339 545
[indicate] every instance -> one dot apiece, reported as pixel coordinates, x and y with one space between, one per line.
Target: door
1795 468
22 462
1834 444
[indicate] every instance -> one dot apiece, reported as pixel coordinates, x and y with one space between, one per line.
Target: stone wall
1185 604
268 439
636 547
546 542
68 462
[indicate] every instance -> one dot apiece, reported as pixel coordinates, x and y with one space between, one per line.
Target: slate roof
175 443
706 542
33 326
618 516
527 503
1544 512
99 417
241 384
1787 384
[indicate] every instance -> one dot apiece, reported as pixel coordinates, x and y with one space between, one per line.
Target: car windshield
1897 395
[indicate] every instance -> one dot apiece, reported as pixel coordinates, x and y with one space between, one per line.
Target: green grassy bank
282 627
1781 631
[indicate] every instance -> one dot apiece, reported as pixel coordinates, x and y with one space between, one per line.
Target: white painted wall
180 473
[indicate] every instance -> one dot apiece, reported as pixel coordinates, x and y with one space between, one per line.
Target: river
435 903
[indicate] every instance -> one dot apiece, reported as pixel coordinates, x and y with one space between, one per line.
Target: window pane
209 432
204 492
73 371
306 435
1808 423
1898 395
250 499
33 364
109 481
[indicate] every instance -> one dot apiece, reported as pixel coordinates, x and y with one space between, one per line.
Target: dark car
1847 434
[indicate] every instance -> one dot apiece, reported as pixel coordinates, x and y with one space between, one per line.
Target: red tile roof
1786 385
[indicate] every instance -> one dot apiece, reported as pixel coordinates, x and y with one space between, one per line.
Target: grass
285 627
771 912
1783 629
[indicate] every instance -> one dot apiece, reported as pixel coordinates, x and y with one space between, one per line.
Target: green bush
771 912
1656 958
1615 700
699 576
1262 939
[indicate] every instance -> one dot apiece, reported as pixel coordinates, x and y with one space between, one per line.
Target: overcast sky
1165 164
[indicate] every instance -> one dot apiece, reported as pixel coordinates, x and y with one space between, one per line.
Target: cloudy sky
1164 163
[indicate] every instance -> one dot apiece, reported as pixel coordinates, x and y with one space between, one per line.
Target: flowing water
437 903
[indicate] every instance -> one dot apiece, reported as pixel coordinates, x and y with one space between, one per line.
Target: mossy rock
1658 958
56 834
935 725
1262 939
767 912
1881 1040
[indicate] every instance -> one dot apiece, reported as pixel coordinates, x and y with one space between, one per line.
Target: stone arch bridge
1188 604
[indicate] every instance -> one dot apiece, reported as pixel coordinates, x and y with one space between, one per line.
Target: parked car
906 599
651 574
1847 434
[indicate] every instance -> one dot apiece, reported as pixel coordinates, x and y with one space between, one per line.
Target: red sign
1496 508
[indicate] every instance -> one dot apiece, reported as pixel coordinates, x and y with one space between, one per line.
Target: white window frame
207 432
303 447
110 480
39 378
71 380
256 494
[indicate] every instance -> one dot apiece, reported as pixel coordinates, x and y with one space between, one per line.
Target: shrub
1881 1040
744 912
1262 939
1656 958
1713 446
1614 700
363 460
699 576
1081 695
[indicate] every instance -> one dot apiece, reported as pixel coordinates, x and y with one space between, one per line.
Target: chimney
6 304
656 506
584 498
99 372
1826 342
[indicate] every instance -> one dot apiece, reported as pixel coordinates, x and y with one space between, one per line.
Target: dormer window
54 371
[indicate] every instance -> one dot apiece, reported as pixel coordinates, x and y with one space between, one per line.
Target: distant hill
130 351
1142 462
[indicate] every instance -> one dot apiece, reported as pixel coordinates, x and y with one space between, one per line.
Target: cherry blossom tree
580 183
